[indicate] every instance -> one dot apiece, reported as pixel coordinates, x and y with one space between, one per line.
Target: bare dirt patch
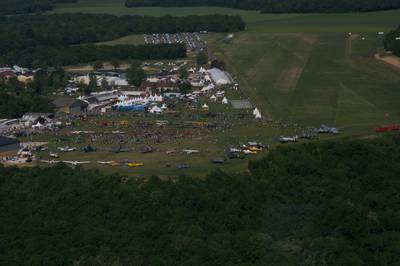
389 59
289 78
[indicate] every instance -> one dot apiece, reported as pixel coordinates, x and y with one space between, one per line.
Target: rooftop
4 141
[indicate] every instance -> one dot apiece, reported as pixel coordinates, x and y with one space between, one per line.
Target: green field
301 68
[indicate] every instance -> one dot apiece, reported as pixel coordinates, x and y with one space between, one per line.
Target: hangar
8 145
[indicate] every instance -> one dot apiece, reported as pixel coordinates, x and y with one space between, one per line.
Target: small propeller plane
49 161
66 149
284 139
325 129
54 155
249 152
111 163
75 163
135 164
234 150
189 152
256 149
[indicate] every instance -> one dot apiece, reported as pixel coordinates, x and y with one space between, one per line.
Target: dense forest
391 42
280 6
327 203
28 37
8 7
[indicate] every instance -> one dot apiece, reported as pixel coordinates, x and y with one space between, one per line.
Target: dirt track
389 59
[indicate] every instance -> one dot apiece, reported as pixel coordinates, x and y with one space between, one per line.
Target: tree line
280 6
241 4
327 203
12 7
391 42
25 34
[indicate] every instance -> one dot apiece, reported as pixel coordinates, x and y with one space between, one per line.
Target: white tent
202 70
156 110
205 107
213 98
220 94
38 126
219 77
257 113
225 100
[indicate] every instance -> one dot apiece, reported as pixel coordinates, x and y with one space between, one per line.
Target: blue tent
135 108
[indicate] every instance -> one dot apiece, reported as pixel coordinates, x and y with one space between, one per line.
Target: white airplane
283 139
325 129
249 152
66 149
170 151
74 163
54 155
191 151
49 162
106 162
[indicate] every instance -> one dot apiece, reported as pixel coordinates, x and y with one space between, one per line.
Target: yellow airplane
255 149
135 164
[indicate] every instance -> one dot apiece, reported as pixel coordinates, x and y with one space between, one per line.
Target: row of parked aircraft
110 163
323 129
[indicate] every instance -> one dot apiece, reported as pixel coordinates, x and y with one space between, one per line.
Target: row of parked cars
192 40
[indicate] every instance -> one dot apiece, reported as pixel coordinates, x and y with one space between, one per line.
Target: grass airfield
301 68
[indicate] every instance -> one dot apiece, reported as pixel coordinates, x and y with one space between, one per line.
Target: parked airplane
120 150
234 150
107 162
135 164
49 162
284 139
183 166
191 151
257 144
54 155
66 149
325 129
256 149
74 163
249 152
170 151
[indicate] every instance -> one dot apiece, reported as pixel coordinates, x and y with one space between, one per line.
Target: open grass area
314 78
301 68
